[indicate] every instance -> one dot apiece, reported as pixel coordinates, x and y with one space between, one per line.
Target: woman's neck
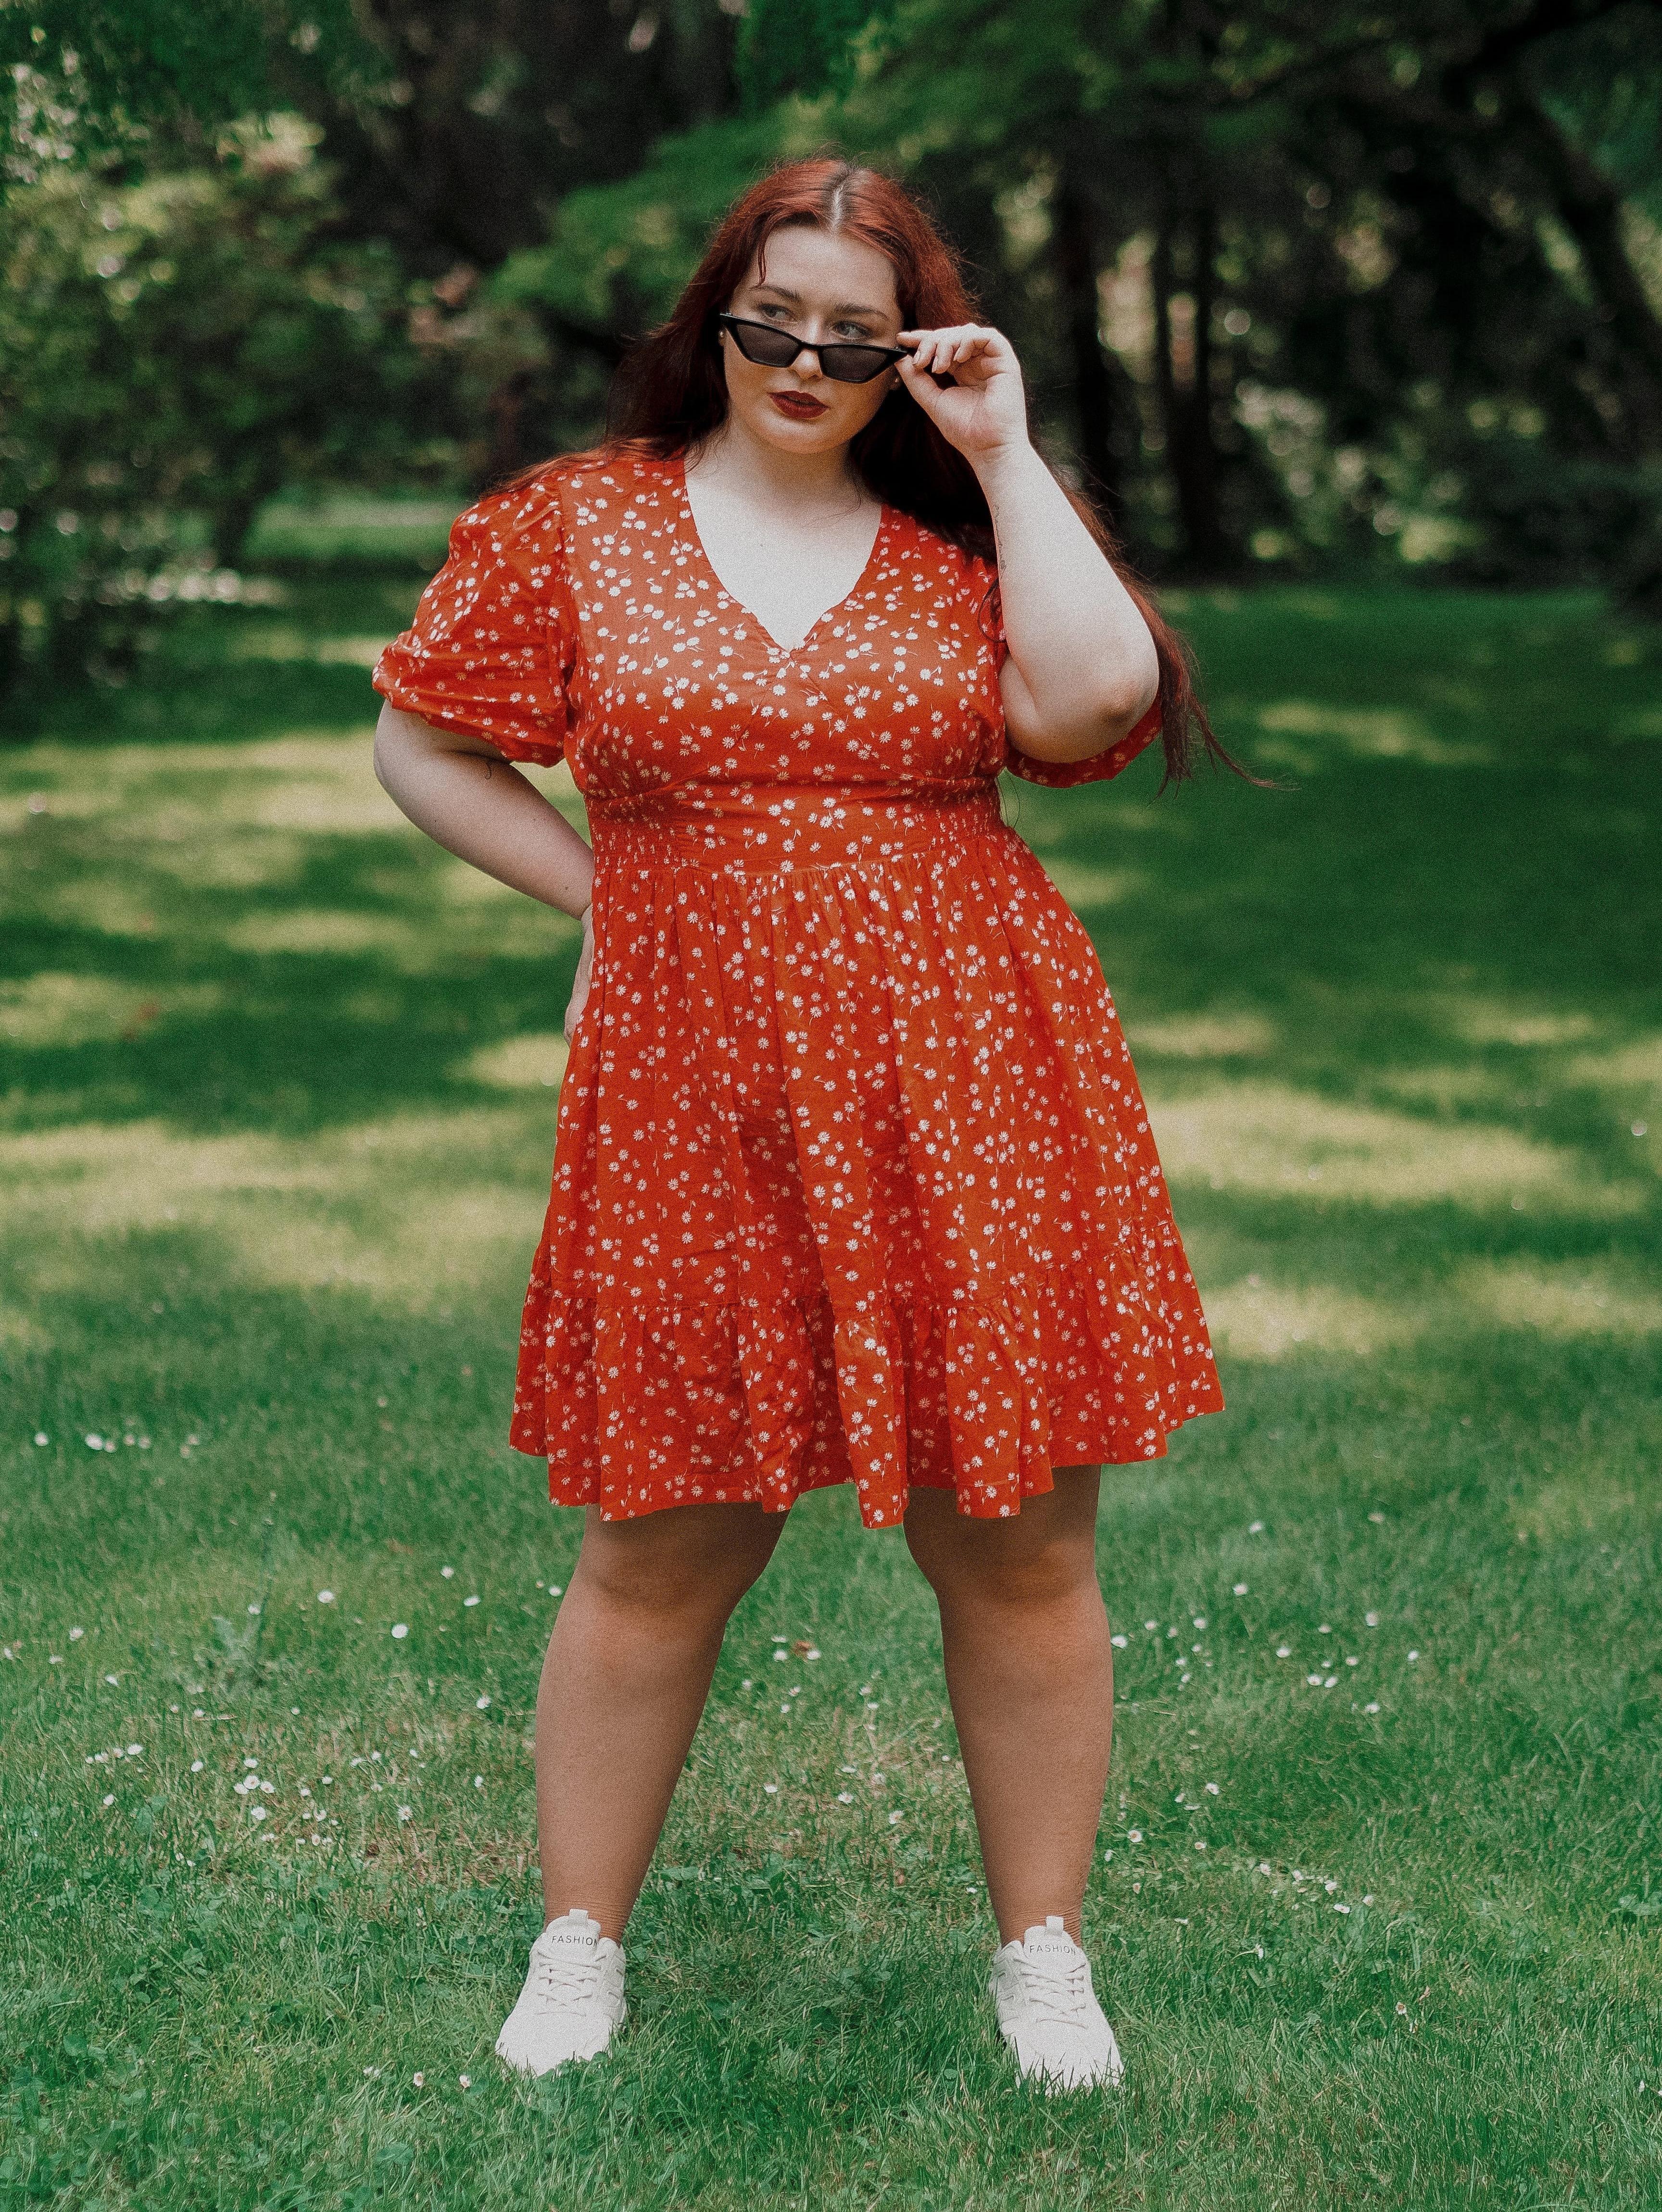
747 469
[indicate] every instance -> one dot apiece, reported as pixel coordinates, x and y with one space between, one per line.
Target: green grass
276 1118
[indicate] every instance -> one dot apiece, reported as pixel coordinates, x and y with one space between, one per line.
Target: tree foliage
1296 283
173 350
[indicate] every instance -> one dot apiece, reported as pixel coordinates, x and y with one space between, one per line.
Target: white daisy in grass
400 1629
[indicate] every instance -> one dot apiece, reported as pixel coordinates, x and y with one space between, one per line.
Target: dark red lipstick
797 405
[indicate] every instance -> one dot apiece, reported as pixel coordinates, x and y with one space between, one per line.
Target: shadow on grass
273 1184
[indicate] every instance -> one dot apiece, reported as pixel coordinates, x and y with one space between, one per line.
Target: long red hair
670 392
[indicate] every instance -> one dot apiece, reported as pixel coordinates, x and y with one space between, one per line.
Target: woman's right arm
467 798
460 790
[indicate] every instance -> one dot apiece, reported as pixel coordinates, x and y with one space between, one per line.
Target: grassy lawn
1378 1899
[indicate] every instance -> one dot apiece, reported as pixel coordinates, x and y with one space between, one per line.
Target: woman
852 1177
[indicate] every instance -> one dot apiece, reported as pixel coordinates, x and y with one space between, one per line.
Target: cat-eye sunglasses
769 347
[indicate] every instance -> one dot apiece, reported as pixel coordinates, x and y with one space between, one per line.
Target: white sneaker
1048 2013
572 2004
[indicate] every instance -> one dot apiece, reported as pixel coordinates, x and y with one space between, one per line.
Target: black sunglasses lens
767 348
853 364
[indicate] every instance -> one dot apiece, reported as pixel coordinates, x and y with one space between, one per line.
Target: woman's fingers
942 351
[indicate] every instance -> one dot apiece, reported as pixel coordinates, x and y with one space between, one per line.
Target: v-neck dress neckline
689 522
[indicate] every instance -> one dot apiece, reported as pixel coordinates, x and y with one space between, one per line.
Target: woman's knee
687 1573
1044 1556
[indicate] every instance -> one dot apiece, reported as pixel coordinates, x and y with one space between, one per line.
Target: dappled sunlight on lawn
1481 1020
410 1212
1572 1299
520 1063
1265 1136
1258 1319
1255 1320
1086 888
1225 1036
1364 732
46 1009
1634 1067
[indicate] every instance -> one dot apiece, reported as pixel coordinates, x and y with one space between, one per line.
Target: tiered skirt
853 1179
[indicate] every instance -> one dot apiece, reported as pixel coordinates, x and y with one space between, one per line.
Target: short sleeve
493 643
1096 768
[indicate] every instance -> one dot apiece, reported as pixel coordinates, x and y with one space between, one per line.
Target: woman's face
817 285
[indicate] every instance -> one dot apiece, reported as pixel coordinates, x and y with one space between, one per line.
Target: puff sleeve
493 644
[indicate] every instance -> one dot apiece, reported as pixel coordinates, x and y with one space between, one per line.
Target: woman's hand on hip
983 409
573 1012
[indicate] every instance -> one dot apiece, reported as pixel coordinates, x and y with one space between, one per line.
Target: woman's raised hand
983 409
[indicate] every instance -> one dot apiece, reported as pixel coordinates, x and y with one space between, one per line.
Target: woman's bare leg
1030 1675
627 1669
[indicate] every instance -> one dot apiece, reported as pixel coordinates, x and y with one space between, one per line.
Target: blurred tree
1313 277
1296 281
172 352
93 75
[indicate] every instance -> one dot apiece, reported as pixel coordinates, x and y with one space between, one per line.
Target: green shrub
172 352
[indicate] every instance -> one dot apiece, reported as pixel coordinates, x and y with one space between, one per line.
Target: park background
1348 318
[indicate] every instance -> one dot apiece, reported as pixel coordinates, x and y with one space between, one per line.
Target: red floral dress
852 1176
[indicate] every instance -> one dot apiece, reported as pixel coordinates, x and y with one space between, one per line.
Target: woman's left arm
1082 669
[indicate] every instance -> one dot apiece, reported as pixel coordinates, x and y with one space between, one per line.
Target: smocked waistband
781 825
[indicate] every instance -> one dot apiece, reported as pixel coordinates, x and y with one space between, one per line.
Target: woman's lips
797 404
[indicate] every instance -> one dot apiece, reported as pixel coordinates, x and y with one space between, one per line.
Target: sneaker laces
565 1982
1059 1994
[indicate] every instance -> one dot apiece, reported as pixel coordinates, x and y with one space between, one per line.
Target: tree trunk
1074 241
1590 208
1191 452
